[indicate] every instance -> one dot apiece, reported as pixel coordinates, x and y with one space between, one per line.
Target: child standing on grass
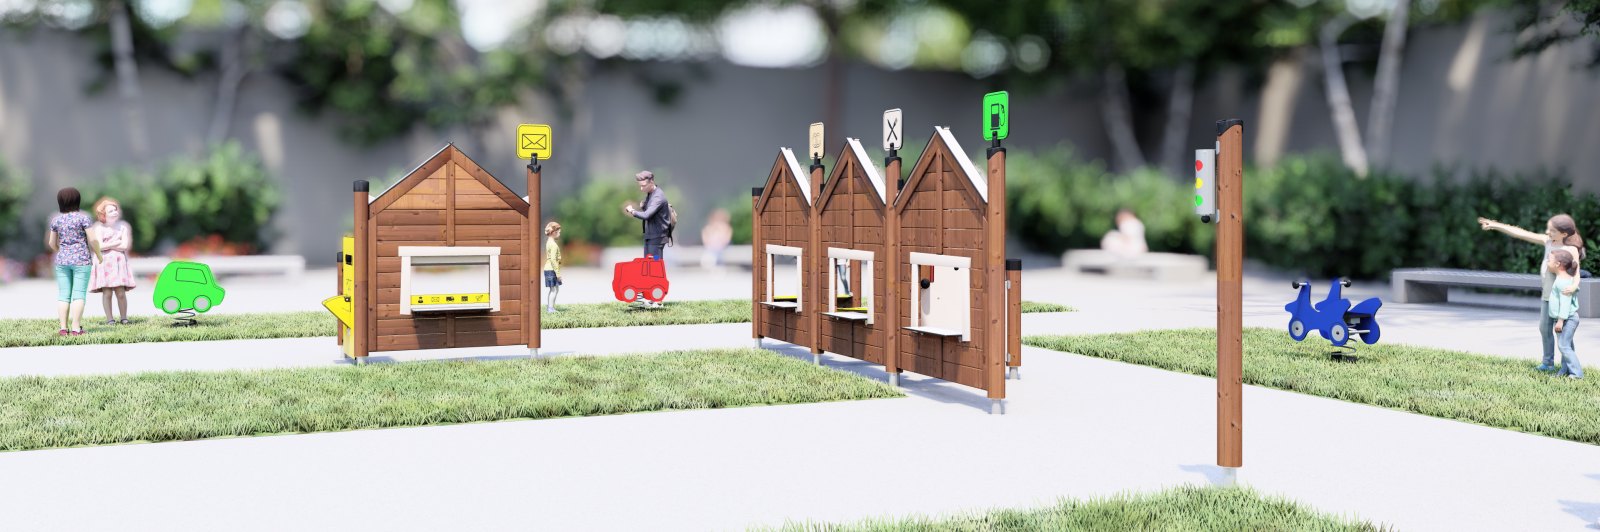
552 263
112 277
1564 310
72 238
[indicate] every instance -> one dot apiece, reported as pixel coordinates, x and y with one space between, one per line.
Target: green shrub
227 193
14 190
740 211
594 215
1312 216
1056 202
1308 214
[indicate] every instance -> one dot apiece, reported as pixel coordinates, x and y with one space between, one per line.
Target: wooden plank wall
853 218
449 208
944 216
784 221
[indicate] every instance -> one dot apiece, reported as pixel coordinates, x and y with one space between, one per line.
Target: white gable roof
980 181
869 168
801 177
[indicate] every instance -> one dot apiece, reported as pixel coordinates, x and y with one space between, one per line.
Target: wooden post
756 281
533 260
1230 293
891 261
1014 316
994 339
816 256
361 301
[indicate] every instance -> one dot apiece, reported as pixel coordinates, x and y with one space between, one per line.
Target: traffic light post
1219 199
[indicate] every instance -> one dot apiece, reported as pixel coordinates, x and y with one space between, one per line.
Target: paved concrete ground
1075 426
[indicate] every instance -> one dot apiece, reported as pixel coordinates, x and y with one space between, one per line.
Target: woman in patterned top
73 240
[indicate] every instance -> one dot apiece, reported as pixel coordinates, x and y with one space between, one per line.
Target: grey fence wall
1461 100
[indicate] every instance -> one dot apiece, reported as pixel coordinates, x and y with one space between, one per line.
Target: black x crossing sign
892 130
533 140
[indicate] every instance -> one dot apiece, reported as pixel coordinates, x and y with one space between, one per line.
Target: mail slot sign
534 140
449 278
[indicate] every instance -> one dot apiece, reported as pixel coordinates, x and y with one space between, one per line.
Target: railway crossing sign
996 115
893 128
534 140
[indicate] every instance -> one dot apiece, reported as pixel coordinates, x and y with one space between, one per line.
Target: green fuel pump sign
996 115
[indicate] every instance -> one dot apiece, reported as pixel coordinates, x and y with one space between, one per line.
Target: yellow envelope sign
532 140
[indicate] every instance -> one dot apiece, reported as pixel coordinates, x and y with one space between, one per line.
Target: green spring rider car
186 287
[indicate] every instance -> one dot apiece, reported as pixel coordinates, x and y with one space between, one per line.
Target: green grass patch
47 412
1488 390
1031 307
1183 508
224 326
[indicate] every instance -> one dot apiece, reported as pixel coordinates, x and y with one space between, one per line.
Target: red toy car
643 277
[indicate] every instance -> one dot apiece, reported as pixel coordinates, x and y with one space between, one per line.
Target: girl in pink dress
112 276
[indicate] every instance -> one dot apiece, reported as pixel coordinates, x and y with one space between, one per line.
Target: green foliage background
225 192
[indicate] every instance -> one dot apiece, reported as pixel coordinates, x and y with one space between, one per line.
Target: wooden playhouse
852 223
783 307
440 260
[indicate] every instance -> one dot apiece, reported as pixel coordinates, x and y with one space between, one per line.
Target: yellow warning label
449 299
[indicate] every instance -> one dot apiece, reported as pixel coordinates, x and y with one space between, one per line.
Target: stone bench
1432 285
1157 266
285 265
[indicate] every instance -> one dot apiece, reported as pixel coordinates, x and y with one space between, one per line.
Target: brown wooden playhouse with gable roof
782 216
441 260
930 252
853 227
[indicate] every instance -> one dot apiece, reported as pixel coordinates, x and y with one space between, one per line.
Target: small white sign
816 141
892 127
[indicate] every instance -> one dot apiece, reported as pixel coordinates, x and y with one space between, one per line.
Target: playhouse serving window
448 278
941 298
841 262
784 288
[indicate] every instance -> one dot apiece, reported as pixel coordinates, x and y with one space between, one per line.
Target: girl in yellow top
552 263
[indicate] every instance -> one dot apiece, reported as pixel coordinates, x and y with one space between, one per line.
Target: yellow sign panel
534 140
449 299
341 308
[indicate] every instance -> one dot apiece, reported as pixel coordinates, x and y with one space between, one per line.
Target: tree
1544 24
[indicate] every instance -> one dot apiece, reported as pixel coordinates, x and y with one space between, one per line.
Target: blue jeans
654 246
1546 334
1569 353
72 282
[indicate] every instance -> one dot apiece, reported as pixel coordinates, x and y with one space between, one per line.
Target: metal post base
816 358
533 352
1016 374
1230 477
997 407
361 361
758 343
894 379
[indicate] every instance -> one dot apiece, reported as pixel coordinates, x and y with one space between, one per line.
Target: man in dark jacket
655 214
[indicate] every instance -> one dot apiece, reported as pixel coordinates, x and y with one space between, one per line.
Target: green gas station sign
996 115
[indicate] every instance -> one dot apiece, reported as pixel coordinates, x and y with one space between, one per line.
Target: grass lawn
224 326
1488 390
1184 508
46 412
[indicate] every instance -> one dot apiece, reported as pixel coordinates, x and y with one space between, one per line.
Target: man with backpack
657 215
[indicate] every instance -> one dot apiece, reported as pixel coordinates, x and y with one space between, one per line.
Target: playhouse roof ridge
869 168
800 176
979 180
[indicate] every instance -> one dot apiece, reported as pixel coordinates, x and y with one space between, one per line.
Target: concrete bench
1157 266
286 265
1432 285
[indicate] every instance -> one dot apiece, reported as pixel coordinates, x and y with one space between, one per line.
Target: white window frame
946 261
799 275
866 258
408 252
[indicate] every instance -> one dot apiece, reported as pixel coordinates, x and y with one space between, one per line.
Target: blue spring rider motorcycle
1333 317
